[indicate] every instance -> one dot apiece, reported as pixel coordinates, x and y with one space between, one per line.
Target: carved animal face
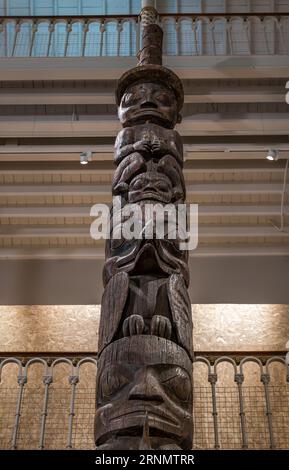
149 102
150 186
129 392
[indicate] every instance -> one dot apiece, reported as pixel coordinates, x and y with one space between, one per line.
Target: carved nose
148 104
148 390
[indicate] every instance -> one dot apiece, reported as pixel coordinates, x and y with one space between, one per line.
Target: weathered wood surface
144 380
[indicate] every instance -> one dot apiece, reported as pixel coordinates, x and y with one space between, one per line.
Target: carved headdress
150 65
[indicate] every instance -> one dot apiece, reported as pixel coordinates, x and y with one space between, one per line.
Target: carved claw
142 146
161 326
133 325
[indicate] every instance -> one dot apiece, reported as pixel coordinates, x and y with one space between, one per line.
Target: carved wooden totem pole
144 379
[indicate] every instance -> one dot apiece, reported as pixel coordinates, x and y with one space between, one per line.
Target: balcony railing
240 402
102 36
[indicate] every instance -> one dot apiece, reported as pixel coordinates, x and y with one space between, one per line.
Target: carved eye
162 186
163 98
112 381
136 185
128 99
178 382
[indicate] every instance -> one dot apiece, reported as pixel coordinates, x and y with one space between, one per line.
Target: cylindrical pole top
148 3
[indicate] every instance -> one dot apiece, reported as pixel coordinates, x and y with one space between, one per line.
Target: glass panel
75 40
186 38
170 36
240 37
128 39
23 40
43 7
92 44
41 39
58 40
220 37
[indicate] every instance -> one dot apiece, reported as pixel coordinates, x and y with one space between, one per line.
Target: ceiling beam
7 156
107 168
68 231
230 154
55 190
11 152
51 253
111 68
84 211
108 126
104 190
55 156
81 96
258 95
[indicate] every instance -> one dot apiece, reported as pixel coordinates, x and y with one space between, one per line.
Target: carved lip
146 112
147 195
142 414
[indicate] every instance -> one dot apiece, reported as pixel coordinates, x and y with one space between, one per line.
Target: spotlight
272 155
85 157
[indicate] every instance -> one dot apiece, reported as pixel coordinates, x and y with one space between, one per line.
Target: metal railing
240 401
184 34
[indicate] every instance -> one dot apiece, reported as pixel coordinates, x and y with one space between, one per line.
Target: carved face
150 185
130 392
133 389
149 102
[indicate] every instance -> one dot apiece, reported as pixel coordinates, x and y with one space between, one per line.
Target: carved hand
127 169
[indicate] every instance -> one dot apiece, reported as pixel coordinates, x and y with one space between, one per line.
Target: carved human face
127 393
150 185
149 102
144 378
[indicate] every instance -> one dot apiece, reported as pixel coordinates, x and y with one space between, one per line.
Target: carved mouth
149 112
147 195
151 414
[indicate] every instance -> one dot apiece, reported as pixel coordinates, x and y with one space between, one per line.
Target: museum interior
60 62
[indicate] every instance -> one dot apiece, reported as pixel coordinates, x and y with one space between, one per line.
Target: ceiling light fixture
272 155
85 158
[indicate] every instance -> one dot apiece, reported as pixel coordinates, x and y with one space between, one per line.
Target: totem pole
144 378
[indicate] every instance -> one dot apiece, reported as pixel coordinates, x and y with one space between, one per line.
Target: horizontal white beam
239 211
236 95
40 153
54 156
81 96
7 156
246 124
11 148
55 190
230 155
109 170
25 253
14 148
233 188
108 126
84 211
53 96
8 190
66 231
111 68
